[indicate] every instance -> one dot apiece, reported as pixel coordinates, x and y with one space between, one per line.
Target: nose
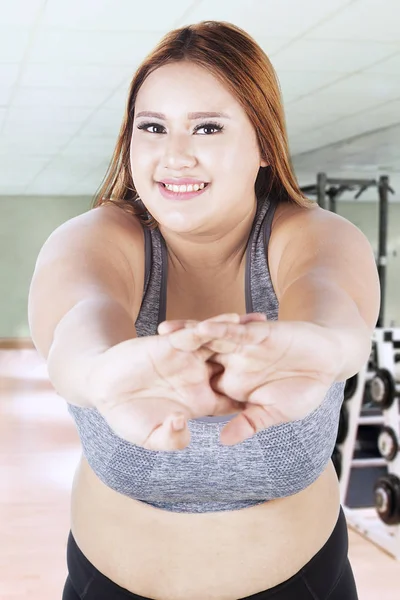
178 152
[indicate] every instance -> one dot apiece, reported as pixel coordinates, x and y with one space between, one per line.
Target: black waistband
319 574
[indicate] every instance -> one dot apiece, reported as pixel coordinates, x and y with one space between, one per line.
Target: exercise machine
371 405
368 436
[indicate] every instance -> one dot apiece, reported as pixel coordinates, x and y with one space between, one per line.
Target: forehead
184 83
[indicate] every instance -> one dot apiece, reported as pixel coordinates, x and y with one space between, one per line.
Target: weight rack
367 521
379 524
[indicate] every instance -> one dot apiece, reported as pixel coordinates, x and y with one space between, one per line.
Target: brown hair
233 57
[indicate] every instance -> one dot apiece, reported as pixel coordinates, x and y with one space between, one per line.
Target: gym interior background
65 68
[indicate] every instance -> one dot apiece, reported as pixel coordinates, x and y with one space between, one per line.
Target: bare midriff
219 556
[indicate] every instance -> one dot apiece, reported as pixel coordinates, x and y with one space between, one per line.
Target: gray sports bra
207 476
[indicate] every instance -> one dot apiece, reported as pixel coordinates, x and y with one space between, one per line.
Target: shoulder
105 236
105 219
106 225
124 232
300 234
99 252
289 217
309 224
111 217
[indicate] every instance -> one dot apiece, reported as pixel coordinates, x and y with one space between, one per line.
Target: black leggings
327 575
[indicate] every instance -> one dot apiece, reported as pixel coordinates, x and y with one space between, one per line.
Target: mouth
184 195
192 184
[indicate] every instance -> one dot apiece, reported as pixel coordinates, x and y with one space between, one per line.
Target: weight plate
343 429
382 389
387 443
382 500
387 499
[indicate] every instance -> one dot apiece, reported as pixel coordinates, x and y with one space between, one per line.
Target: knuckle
258 418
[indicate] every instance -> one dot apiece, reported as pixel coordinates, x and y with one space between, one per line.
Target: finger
236 318
251 420
221 346
228 338
226 406
225 346
172 434
189 340
252 317
175 324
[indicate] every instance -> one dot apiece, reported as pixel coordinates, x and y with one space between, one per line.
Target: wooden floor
39 449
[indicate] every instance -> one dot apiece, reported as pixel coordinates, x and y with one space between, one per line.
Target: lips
179 184
182 181
179 196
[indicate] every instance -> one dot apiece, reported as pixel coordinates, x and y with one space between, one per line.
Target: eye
145 126
157 128
214 126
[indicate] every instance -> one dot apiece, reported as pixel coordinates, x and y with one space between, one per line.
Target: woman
206 470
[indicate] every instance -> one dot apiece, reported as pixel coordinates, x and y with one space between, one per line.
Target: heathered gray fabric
207 476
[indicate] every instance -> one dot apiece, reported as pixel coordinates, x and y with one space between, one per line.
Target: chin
183 223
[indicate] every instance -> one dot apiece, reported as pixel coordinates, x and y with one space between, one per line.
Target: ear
264 163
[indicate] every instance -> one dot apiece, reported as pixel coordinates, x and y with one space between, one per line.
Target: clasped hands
276 371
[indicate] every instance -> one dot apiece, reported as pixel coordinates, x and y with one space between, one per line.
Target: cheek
239 164
141 160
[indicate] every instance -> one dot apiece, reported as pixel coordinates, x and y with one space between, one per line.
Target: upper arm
323 244
96 252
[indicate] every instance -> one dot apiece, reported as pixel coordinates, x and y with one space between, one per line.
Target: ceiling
65 67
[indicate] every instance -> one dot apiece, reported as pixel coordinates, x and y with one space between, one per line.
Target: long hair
239 63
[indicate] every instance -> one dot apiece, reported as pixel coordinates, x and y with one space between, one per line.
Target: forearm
315 299
88 329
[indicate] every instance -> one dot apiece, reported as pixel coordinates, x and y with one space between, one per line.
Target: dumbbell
387 443
382 389
366 442
387 499
397 367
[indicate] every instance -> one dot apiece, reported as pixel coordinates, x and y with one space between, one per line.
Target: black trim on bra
268 226
147 258
162 307
247 277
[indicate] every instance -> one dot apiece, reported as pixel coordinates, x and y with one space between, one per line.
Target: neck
209 254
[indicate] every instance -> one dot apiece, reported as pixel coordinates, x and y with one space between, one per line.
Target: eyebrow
192 116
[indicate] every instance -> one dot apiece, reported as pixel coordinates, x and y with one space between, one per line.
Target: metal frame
341 185
365 520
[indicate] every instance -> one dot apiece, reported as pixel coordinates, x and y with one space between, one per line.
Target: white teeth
185 188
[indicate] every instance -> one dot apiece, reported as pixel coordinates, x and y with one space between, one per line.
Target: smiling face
176 144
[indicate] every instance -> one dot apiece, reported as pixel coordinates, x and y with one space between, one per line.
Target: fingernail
190 324
178 424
